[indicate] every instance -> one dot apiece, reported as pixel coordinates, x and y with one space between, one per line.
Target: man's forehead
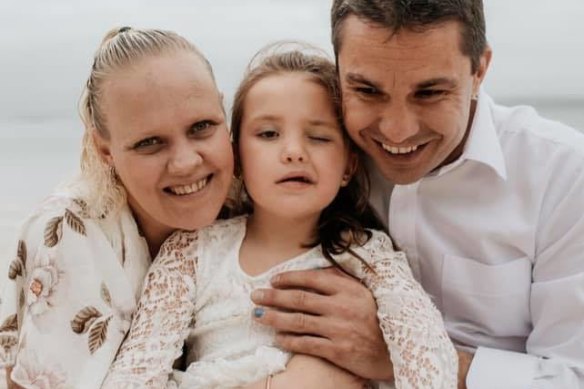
406 42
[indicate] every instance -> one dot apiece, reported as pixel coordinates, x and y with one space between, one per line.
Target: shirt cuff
500 369
384 385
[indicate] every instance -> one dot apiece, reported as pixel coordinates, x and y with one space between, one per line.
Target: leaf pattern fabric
195 291
69 294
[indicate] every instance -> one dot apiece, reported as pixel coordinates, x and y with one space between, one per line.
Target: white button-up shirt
497 239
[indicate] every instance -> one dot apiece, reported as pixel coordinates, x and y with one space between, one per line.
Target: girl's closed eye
320 138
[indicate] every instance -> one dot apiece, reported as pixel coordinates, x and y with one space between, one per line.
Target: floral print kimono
71 289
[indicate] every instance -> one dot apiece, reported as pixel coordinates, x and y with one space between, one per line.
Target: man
487 201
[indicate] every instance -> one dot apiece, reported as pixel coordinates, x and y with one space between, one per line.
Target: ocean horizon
39 154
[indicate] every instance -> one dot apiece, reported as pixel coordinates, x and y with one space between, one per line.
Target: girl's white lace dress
196 292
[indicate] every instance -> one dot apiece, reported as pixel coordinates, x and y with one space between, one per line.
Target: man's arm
331 316
554 350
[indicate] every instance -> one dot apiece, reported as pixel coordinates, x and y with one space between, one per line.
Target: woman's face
168 141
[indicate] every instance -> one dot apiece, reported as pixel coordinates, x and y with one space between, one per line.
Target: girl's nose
293 152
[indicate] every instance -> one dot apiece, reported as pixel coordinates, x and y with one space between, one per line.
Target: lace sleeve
163 317
421 351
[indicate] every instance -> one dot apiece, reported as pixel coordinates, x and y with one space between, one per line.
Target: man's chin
401 177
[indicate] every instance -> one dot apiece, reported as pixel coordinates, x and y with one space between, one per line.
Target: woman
156 157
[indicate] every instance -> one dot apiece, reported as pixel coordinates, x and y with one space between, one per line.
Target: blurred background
46 50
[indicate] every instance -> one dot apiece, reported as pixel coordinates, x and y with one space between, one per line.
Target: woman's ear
351 168
103 148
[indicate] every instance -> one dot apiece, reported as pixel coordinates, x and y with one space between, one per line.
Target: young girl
305 192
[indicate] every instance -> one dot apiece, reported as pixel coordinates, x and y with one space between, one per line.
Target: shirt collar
483 144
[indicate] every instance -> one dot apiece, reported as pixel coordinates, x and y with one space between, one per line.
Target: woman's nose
184 159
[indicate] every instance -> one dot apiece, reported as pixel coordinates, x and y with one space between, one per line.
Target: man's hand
9 383
327 314
464 361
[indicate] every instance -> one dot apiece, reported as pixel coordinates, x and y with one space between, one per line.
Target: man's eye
429 93
147 143
366 90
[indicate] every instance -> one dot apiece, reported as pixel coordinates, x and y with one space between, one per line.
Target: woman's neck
271 240
155 233
155 237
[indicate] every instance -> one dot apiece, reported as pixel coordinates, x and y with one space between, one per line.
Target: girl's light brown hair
345 221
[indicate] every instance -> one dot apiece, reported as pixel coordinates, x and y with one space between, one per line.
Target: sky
46 49
46 46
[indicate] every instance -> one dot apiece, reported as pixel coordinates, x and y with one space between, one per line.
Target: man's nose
399 122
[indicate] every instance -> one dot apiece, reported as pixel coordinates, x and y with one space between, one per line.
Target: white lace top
196 290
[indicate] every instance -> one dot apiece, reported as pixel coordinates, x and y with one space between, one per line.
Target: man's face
407 97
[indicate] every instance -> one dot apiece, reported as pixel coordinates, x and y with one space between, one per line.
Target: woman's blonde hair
120 48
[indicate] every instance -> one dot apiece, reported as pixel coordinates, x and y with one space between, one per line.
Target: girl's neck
270 240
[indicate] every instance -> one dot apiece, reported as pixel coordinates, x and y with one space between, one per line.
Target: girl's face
168 141
293 155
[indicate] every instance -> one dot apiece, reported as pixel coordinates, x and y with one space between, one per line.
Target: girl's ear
352 165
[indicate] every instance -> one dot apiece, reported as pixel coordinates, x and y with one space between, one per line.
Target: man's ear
481 72
103 148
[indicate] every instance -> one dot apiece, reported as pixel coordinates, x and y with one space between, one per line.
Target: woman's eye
201 127
147 143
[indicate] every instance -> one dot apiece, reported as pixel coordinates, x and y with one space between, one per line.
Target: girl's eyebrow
266 117
322 123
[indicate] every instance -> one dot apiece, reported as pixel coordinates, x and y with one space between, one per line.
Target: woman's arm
59 272
161 322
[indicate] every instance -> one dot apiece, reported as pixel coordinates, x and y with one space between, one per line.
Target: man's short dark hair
396 15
